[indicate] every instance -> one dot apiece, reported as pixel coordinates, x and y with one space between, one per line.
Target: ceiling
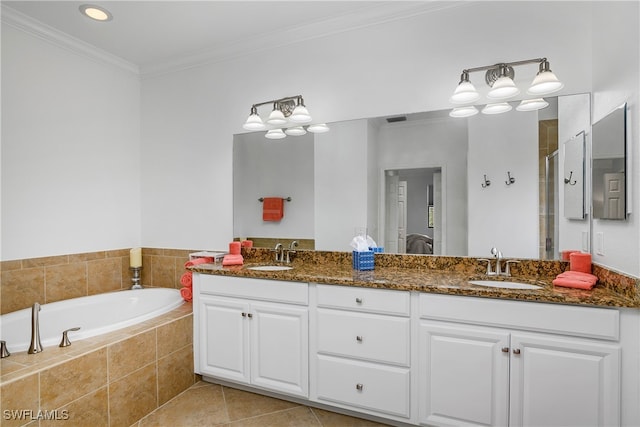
153 34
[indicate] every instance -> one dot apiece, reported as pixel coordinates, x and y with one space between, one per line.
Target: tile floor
206 404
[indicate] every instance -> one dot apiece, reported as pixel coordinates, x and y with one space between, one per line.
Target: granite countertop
441 275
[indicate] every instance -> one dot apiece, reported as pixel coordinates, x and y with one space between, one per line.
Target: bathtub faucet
36 345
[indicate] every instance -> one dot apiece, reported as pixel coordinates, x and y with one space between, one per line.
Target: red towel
272 209
186 293
575 279
234 248
580 262
197 261
247 243
187 279
232 260
567 254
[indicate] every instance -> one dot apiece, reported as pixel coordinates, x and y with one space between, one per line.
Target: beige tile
133 397
104 275
65 281
294 417
242 404
20 395
201 405
21 288
131 354
10 265
45 261
91 410
332 419
175 335
89 373
175 374
163 272
88 256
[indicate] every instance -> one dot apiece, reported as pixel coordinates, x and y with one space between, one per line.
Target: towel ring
288 199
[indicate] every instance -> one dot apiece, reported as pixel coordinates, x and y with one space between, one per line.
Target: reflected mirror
609 165
574 177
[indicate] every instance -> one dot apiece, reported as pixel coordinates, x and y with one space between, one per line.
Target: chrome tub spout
36 345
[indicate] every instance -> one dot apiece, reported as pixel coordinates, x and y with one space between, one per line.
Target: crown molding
63 40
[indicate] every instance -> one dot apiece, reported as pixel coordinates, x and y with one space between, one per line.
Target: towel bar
288 199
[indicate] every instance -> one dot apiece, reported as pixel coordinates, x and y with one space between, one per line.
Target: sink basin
270 268
504 284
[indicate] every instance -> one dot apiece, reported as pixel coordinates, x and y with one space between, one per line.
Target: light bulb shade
254 122
300 114
465 93
275 134
276 118
532 104
545 82
497 108
464 111
318 128
503 88
295 131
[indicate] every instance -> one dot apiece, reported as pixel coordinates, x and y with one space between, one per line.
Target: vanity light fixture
97 13
499 77
287 117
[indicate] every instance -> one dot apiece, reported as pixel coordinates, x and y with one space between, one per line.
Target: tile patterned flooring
206 404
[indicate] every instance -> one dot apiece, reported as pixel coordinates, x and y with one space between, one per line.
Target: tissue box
377 250
363 260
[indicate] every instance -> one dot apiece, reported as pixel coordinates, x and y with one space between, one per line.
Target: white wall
70 151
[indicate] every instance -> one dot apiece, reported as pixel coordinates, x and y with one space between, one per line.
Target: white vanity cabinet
361 350
252 331
566 372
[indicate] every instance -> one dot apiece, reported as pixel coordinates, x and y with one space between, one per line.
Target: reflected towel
187 279
272 208
205 260
234 248
580 261
575 279
232 260
567 254
247 243
186 294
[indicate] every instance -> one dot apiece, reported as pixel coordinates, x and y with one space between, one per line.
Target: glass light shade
532 104
300 115
275 134
276 118
503 88
318 128
500 107
254 122
96 13
465 93
545 82
295 131
464 111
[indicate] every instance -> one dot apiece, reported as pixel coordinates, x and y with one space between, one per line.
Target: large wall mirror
421 183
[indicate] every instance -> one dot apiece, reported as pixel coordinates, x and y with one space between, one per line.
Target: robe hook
486 182
568 180
510 180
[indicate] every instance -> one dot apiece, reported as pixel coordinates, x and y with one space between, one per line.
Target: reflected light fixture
287 117
97 13
500 79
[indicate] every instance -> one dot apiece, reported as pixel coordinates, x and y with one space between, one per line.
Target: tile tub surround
438 274
110 380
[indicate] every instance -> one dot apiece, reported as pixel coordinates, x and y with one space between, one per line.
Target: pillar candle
135 258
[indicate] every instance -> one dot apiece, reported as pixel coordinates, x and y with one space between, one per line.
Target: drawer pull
359 387
505 349
359 300
516 351
244 314
359 338
249 315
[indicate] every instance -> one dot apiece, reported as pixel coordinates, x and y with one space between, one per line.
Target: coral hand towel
205 260
186 294
575 279
232 260
581 262
272 209
187 279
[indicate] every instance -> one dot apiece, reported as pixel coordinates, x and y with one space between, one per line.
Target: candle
135 258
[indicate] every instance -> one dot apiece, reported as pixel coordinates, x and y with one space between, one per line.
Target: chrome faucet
36 345
498 256
291 251
498 270
279 250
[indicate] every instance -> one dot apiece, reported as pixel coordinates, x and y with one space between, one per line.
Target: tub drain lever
65 339
3 350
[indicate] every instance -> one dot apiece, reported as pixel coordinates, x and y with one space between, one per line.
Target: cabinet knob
359 338
250 315
516 351
359 387
359 300
244 314
505 349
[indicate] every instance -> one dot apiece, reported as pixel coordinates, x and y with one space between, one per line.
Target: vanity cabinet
504 374
361 351
252 331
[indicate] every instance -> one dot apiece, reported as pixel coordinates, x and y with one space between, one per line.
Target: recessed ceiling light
96 13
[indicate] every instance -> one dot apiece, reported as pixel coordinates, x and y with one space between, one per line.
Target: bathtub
95 315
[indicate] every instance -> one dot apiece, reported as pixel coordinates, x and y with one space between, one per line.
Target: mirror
609 165
574 150
345 183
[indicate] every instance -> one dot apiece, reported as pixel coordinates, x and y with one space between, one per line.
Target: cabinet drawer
365 336
379 388
382 301
260 289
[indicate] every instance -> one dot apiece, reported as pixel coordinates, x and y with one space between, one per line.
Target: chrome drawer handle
505 349
359 300
359 338
516 351
244 314
249 315
359 387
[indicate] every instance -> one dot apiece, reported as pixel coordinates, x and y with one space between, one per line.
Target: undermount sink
270 268
504 284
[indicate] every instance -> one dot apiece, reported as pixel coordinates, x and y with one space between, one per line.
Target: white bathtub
95 315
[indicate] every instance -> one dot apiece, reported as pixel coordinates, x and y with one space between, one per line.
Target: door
280 348
463 375
391 212
614 196
558 381
224 338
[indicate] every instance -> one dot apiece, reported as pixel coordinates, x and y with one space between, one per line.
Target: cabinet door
557 381
224 338
463 375
280 348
